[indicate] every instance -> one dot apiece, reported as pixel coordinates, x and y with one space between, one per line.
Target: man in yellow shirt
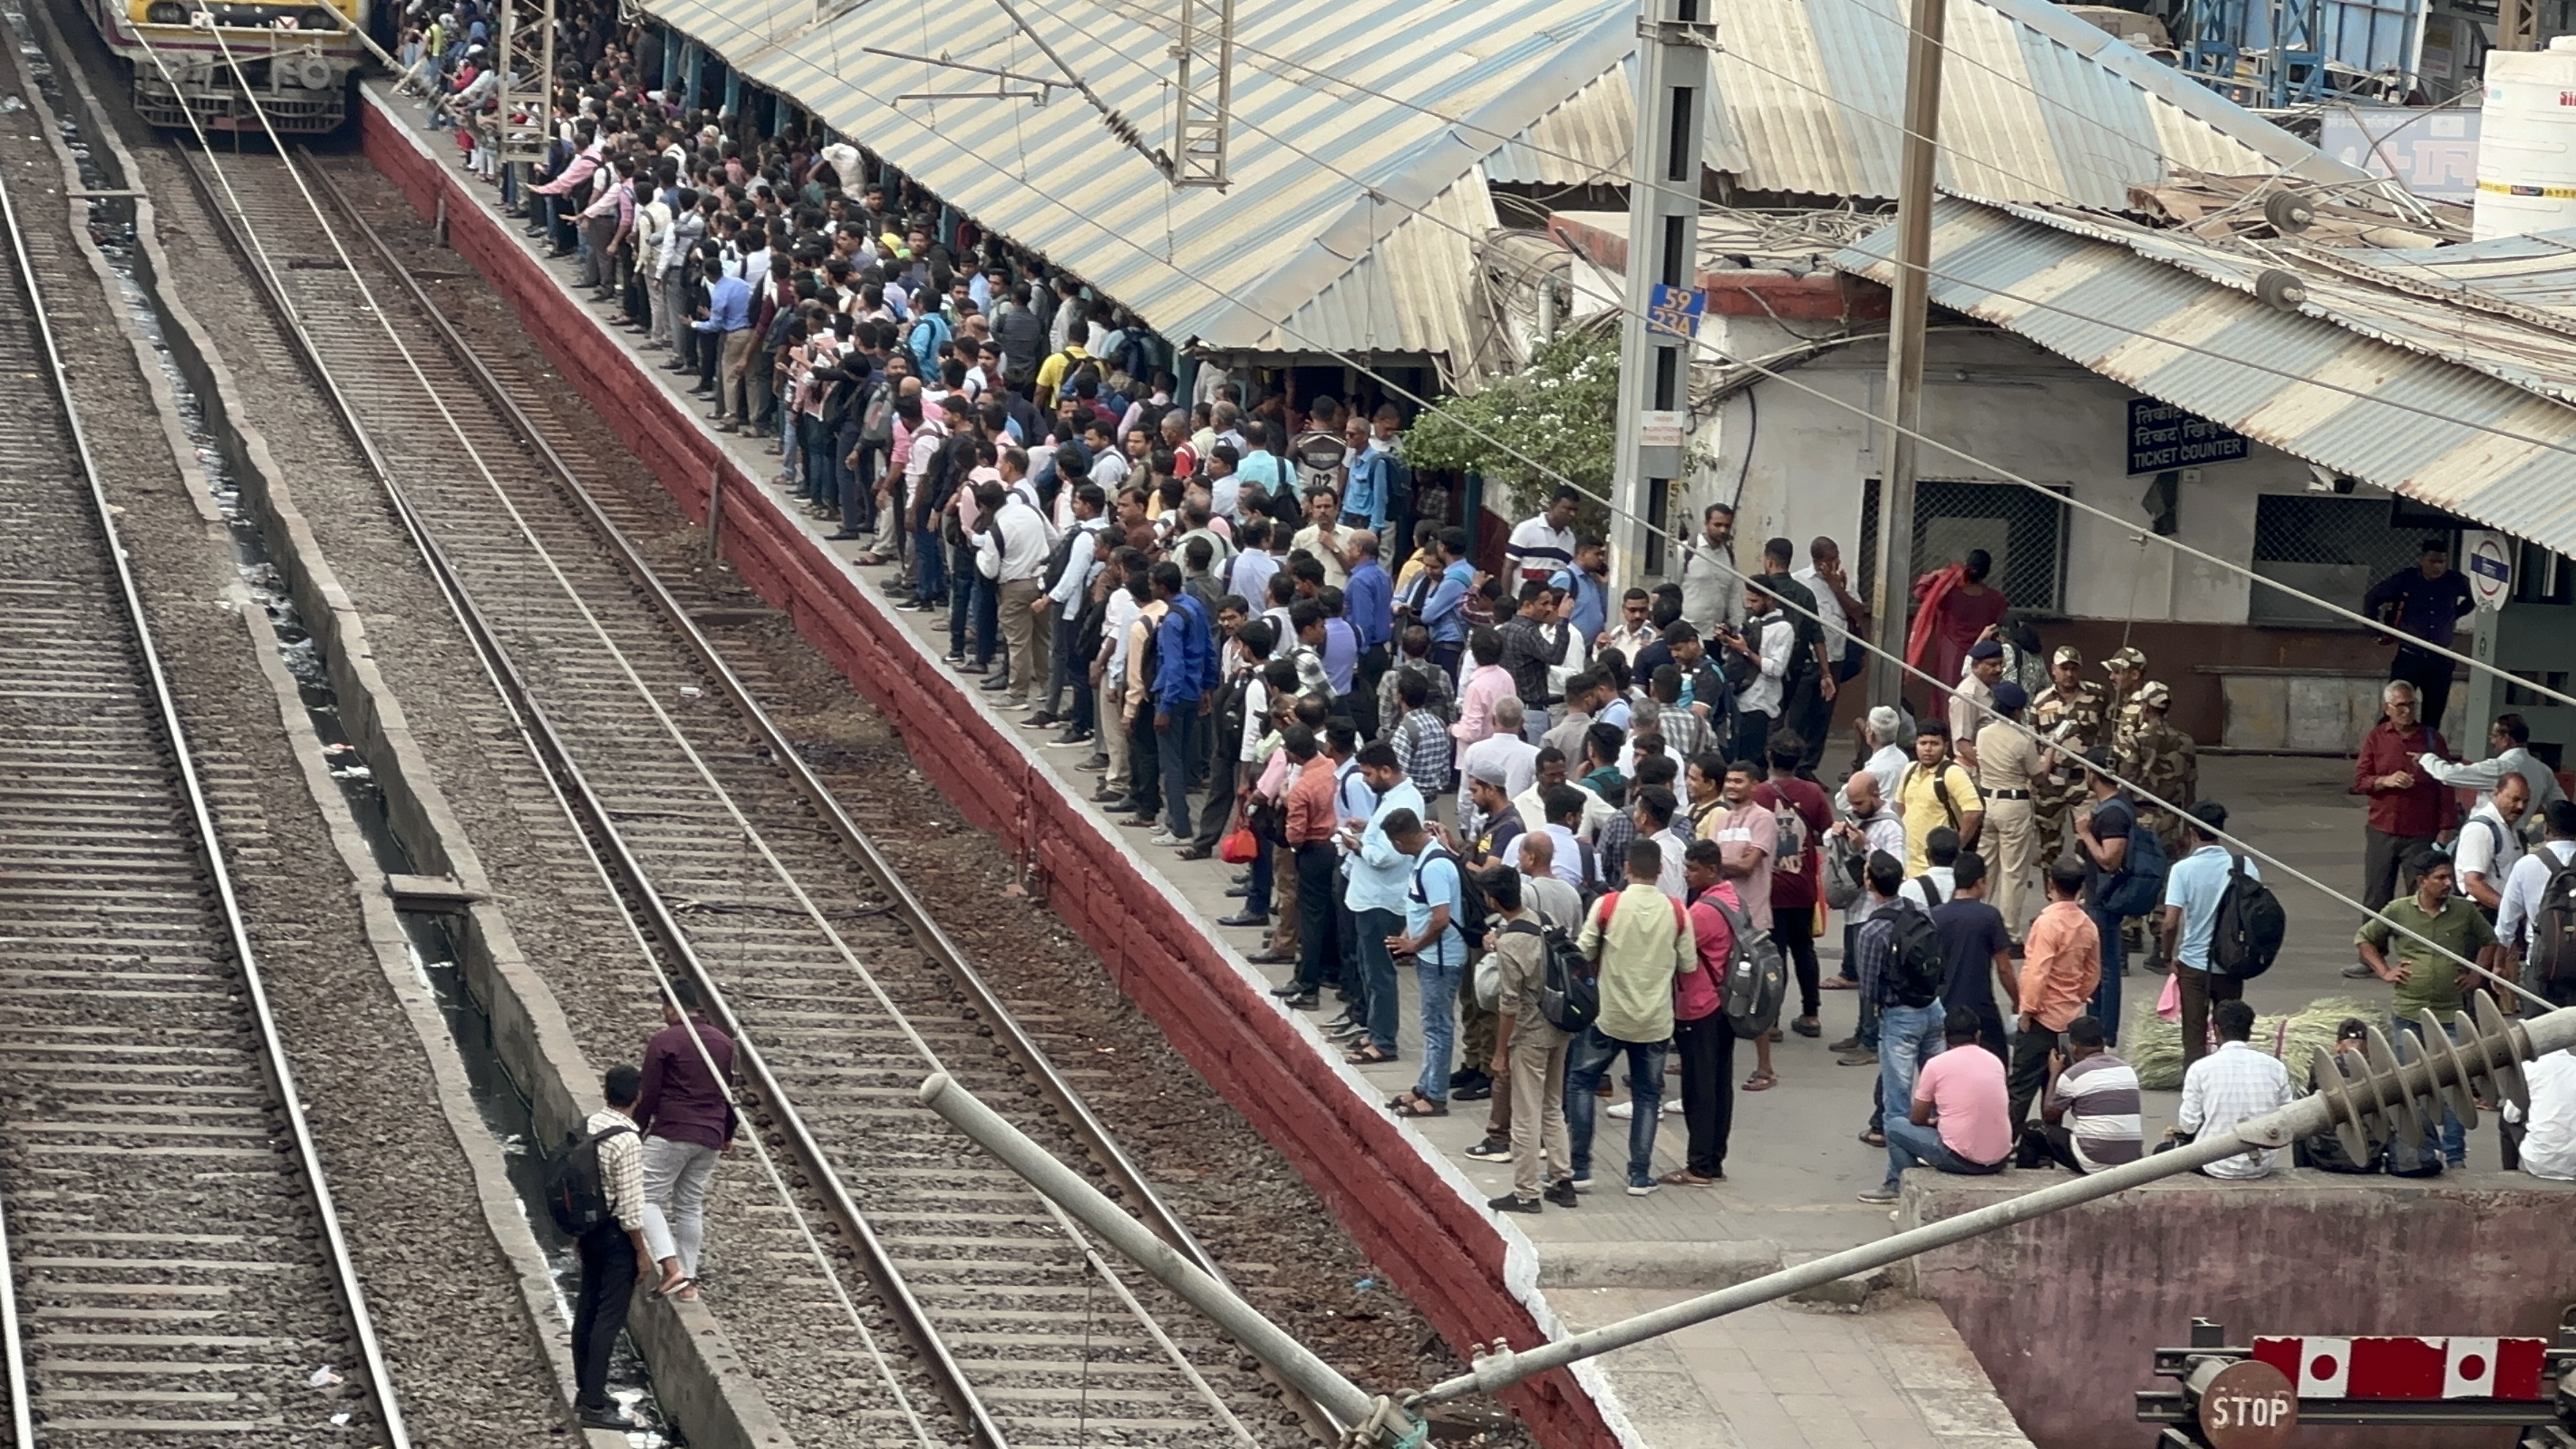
1934 792
1640 940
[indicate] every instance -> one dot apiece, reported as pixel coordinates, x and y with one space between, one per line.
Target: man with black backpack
1902 969
598 1194
1702 1036
1524 946
2195 887
2106 835
2537 919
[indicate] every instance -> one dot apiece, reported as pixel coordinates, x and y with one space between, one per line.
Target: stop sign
2246 1404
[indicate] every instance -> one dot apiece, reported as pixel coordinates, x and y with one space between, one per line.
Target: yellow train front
293 61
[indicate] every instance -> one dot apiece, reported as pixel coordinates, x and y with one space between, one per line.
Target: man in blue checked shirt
728 316
1444 612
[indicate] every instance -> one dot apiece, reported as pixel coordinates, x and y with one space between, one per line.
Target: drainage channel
432 947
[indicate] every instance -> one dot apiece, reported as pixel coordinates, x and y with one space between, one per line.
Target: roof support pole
1892 585
1663 250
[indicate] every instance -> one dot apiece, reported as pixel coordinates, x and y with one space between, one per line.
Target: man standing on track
609 1252
688 1120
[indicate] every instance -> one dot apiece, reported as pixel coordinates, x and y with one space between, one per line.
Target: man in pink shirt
1958 1123
1487 682
1701 1036
1749 835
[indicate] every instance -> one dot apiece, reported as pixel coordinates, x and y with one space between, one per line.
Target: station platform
1863 1365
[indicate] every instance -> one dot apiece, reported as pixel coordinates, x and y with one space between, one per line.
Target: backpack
1844 862
2246 934
576 1188
1569 994
1474 913
2139 886
1756 979
876 422
2553 926
923 338
1931 893
1916 964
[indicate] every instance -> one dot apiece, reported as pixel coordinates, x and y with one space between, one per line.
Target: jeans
1377 1001
858 485
2106 997
932 585
1908 1036
1438 981
677 1173
1172 740
2455 1133
964 599
1256 889
1793 930
1912 1146
1586 1062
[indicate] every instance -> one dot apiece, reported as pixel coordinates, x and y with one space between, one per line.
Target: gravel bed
435 1281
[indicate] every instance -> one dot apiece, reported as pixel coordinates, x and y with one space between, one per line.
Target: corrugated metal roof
1807 94
1533 90
2403 419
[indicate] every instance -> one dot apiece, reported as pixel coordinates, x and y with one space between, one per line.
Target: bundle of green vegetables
2153 1045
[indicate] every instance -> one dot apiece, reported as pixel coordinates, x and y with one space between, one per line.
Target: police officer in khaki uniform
2069 715
2010 772
2163 761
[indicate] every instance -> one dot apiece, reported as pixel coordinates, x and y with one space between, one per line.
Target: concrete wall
1444 1251
2065 1312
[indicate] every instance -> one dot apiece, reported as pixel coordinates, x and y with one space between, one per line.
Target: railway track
172 1270
748 875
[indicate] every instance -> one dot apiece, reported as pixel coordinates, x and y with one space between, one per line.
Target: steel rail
879 1267
1123 1173
272 1053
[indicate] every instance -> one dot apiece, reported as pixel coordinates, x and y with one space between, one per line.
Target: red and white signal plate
2409 1368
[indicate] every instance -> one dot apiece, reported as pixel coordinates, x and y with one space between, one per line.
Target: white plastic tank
2527 142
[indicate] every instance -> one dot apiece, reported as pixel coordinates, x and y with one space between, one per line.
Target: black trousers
607 1284
1319 961
1793 930
1707 1051
2383 865
2028 1075
1144 768
1218 809
2431 676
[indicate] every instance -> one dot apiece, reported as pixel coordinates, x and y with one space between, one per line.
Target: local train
297 61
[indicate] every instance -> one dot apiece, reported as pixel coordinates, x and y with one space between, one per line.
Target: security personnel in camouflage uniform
2070 714
2127 669
2163 760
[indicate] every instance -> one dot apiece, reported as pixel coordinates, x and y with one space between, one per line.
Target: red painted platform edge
1440 1249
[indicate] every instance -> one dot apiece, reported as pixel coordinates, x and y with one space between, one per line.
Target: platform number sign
1674 312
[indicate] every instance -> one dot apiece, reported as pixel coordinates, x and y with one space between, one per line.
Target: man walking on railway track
609 1252
688 1119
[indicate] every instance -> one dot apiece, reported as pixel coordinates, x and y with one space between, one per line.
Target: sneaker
2359 972
1096 762
1561 1192
1043 719
1492 1149
1847 1044
1479 1090
1304 1002
1642 1187
1510 1204
1620 1111
1011 702
1883 1193
1580 1182
1857 1059
607 1417
1165 837
1069 738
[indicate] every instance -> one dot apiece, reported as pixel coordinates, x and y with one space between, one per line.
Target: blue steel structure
2278 53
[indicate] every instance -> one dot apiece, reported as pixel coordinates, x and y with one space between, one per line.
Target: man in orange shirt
1310 840
2061 964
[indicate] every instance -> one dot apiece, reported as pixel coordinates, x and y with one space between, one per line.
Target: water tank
2527 142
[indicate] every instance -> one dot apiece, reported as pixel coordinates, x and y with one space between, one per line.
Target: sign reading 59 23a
2163 436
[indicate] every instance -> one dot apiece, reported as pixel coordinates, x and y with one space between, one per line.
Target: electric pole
1892 589
1663 300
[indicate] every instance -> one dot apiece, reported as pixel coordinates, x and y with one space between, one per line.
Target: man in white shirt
2510 740
2231 1085
1543 545
1012 551
2490 843
1506 749
1766 641
1712 590
2520 911
2543 1135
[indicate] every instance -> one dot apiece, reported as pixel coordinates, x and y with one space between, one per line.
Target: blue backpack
2138 886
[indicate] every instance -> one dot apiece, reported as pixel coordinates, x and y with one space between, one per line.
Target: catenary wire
778 1182
1617 510
795 888
1999 471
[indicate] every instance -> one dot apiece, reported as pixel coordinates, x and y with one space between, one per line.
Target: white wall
2012 407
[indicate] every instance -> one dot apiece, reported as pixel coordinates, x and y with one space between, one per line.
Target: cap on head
2127 658
2155 695
1489 771
2066 654
2010 697
1985 649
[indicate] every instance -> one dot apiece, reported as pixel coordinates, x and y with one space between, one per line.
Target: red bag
1240 845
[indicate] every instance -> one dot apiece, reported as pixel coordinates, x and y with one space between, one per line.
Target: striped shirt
621 1166
2099 1096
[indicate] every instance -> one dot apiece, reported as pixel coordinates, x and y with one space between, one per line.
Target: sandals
1684 1177
1806 1026
1762 1081
1413 1104
1367 1056
683 1288
1874 1139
